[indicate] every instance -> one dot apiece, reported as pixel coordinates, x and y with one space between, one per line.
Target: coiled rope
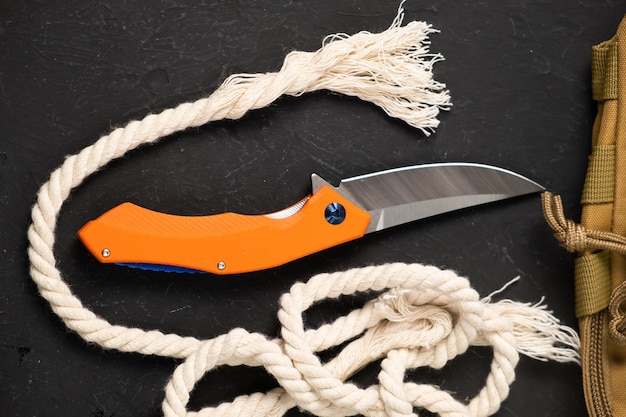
428 316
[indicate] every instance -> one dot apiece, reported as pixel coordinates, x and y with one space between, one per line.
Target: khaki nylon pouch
600 268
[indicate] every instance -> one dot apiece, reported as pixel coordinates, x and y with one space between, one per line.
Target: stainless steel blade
403 195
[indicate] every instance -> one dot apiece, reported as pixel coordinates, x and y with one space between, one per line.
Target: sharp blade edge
403 195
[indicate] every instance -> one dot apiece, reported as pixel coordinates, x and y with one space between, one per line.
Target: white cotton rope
427 316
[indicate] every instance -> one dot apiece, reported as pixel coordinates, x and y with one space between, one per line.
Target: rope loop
617 314
573 236
425 318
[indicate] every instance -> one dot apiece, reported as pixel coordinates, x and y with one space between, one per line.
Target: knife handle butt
226 243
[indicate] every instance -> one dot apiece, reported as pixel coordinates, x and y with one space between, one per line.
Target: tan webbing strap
600 180
592 282
604 71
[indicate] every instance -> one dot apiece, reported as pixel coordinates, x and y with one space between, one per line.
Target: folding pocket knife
231 243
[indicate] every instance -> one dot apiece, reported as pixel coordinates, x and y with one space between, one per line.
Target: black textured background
70 71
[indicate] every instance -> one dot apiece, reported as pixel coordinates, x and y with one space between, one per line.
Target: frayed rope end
538 333
392 69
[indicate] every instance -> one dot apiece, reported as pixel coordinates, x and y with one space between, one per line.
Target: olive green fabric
600 180
592 283
604 71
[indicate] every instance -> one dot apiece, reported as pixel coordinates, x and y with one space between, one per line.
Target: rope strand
575 237
427 317
356 65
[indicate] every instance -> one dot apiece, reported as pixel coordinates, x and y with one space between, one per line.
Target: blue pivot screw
335 213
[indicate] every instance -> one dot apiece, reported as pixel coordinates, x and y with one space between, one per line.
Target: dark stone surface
518 72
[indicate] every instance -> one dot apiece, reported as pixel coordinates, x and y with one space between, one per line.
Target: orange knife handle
225 243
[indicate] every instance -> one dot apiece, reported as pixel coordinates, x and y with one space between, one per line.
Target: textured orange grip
225 243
